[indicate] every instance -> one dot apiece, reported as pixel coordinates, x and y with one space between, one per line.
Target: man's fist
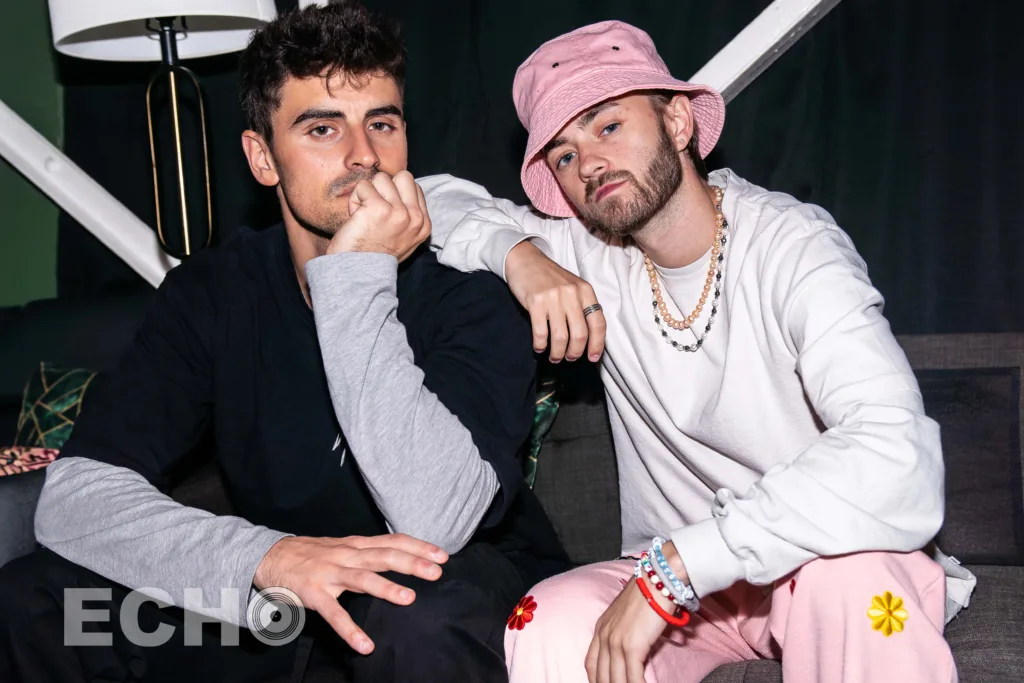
387 216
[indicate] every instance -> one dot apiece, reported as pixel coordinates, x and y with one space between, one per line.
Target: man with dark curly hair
366 407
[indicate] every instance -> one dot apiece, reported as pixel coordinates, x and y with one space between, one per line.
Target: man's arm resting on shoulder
537 256
873 481
112 521
436 445
473 230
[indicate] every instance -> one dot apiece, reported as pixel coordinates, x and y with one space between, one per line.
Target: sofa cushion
70 333
577 482
977 410
756 671
971 384
987 637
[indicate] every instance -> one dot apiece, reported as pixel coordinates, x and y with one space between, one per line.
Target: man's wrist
665 601
675 562
265 570
520 253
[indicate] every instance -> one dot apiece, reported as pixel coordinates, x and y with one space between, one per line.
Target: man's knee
561 611
908 569
440 614
859 581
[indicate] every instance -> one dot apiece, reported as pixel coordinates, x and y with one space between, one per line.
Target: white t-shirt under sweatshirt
796 431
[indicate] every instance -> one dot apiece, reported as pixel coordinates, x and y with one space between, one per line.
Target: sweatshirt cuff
504 240
710 565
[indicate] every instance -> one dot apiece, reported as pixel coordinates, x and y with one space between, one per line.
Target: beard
322 217
618 217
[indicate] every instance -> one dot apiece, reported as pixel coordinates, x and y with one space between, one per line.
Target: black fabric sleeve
480 364
153 407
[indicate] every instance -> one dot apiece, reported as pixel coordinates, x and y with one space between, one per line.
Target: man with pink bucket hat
766 422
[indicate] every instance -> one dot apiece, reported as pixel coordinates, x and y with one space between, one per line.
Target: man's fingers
590 663
403 542
407 194
422 201
342 623
617 665
604 664
407 189
634 669
371 583
559 335
598 326
539 324
578 331
394 560
385 186
362 194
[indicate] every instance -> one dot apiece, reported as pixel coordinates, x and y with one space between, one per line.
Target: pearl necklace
663 318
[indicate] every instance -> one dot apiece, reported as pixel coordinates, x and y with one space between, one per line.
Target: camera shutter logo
275 616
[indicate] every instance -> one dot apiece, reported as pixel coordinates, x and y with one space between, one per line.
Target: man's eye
321 131
610 128
381 126
564 160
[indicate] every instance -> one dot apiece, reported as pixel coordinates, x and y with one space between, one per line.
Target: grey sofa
971 385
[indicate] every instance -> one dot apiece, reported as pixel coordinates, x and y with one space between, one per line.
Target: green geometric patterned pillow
50 405
543 417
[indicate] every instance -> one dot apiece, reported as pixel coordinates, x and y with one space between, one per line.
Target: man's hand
385 216
319 570
629 628
624 636
555 299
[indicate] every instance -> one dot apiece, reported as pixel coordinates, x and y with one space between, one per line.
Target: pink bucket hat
578 70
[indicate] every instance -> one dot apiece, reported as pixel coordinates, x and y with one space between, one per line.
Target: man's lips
605 190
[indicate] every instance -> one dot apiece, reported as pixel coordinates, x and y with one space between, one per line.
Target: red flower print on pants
522 614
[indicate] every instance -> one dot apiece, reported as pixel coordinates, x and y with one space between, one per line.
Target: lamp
165 31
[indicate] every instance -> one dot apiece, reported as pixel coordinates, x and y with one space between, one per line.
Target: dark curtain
903 119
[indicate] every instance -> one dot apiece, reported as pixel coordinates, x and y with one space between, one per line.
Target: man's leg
32 641
863 617
552 647
452 632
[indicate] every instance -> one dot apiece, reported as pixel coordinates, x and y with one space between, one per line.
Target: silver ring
590 309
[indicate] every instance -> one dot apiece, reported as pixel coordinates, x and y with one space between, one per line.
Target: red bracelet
679 621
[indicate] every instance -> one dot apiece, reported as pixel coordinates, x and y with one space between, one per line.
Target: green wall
28 221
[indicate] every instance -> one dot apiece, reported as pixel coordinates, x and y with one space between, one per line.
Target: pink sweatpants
828 623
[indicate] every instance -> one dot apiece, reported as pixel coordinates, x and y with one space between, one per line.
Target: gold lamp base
174 152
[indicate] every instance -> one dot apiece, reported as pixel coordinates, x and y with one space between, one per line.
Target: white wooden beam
87 201
757 46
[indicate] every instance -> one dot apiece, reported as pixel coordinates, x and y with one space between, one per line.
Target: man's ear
679 121
261 162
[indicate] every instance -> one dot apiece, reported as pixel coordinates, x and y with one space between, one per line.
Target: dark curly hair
316 41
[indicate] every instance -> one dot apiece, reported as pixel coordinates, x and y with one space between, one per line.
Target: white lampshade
115 30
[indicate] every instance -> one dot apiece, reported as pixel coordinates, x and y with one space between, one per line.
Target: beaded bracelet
682 594
644 567
677 619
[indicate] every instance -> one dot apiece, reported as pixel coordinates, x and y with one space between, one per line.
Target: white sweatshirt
797 431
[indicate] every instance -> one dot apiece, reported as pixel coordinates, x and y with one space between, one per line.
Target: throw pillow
543 418
50 405
18 459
